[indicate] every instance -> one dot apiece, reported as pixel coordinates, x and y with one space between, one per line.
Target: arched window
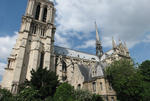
101 85
44 15
79 86
112 98
37 12
94 86
42 60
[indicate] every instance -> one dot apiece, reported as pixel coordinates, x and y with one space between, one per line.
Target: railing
38 28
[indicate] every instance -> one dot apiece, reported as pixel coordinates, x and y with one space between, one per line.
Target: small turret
114 43
126 48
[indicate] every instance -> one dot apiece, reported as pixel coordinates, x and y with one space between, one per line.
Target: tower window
42 60
37 12
94 86
8 63
42 32
44 15
101 86
33 28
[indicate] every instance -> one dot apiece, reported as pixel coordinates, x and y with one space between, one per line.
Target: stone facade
35 48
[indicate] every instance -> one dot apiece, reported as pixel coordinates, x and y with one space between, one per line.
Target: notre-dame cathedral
35 48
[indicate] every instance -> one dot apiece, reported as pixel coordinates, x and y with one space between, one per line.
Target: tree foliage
144 70
45 81
43 84
5 95
125 80
28 94
65 92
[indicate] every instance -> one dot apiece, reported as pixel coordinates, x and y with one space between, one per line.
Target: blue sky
128 20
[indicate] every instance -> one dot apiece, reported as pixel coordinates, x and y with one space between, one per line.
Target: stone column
53 15
49 14
41 12
30 8
47 55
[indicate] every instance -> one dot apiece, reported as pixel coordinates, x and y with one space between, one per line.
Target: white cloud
61 41
2 66
87 44
6 45
147 39
128 20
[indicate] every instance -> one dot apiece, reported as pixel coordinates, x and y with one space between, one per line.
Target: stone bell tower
34 45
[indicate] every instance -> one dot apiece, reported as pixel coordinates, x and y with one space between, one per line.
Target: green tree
45 81
83 95
125 80
5 95
28 94
64 93
144 70
43 84
96 98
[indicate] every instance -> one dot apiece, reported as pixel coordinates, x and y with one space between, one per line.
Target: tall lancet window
101 85
94 86
37 12
42 60
44 15
64 70
64 66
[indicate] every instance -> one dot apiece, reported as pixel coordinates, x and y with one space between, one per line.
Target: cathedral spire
113 43
99 51
126 48
97 35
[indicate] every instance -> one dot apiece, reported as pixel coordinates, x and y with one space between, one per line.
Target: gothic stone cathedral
35 48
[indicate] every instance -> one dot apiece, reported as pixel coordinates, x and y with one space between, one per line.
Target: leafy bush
5 95
65 92
28 94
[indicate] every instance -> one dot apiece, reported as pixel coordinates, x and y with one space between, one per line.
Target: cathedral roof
85 71
73 53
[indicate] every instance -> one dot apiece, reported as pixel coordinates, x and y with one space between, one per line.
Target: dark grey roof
85 71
